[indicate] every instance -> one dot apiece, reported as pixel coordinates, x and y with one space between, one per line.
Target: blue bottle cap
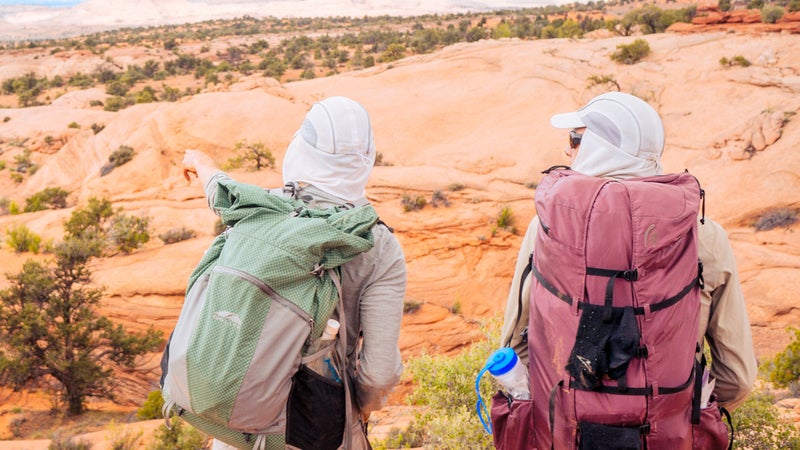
502 361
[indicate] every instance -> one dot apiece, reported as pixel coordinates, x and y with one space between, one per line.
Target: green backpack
255 307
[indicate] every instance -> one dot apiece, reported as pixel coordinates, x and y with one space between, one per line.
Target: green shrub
21 239
255 156
146 95
631 53
123 438
4 206
775 218
413 203
88 222
48 198
411 437
117 88
118 157
455 187
445 389
127 233
771 13
411 306
602 80
793 6
23 161
439 198
151 408
737 60
2 165
96 128
784 368
59 442
180 437
176 235
505 219
394 52
379 160
116 103
74 125
758 425
308 73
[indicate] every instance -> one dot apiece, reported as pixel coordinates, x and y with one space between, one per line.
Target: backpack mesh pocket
595 436
315 412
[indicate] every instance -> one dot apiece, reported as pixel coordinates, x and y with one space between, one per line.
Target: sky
41 2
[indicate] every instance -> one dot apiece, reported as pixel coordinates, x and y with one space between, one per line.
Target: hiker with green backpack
609 307
245 361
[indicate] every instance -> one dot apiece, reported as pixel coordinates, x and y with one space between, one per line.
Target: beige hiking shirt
723 317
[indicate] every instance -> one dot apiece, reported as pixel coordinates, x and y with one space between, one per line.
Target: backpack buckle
630 275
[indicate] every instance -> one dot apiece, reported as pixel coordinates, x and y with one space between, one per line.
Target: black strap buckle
630 275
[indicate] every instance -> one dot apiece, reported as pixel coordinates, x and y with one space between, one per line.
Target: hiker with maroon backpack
619 282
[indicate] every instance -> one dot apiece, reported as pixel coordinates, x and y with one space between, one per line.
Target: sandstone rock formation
473 116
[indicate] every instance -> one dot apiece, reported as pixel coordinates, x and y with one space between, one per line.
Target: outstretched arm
206 170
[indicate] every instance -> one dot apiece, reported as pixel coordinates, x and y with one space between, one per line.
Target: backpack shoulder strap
341 354
524 276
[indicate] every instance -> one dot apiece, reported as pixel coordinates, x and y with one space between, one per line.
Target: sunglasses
574 139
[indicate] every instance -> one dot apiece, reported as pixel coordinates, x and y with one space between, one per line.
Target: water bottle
505 367
324 365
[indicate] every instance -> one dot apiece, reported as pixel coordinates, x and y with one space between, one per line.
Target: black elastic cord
703 208
558 167
730 423
552 412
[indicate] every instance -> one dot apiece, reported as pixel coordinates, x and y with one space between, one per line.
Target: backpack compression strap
608 300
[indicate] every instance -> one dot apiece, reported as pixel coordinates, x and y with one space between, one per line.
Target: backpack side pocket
315 412
711 433
512 423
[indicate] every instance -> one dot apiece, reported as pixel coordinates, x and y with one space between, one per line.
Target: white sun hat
624 136
333 150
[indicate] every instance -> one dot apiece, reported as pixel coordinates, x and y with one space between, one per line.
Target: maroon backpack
613 323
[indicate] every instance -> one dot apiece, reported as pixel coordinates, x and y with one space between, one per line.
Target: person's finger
187 172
